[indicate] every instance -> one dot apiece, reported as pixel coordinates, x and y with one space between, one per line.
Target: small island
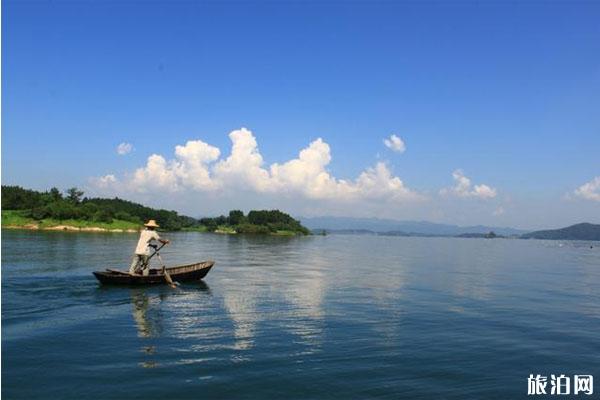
272 222
71 211
489 235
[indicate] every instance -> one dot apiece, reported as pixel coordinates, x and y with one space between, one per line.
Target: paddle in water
168 278
166 273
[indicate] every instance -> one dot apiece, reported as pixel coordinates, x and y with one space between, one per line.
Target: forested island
54 210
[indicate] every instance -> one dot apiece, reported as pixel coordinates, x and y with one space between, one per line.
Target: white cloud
462 188
484 192
189 169
590 190
243 168
308 175
105 181
197 167
124 148
192 165
157 174
395 143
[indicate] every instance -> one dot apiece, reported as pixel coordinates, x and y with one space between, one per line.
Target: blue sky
509 93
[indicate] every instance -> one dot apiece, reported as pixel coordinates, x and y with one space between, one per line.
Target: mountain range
583 231
377 225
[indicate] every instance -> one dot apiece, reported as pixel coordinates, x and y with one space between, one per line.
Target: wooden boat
181 273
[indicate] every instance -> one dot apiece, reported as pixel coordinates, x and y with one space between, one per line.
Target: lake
345 317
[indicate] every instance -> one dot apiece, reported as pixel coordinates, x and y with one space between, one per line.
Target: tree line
261 221
72 204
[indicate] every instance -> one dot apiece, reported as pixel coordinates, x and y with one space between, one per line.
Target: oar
156 249
165 272
168 278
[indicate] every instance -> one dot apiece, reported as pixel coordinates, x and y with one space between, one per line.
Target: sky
455 112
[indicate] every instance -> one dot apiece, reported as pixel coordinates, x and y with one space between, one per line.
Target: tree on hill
209 223
74 195
236 217
55 194
17 198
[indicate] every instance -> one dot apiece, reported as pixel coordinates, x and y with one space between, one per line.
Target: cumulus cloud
124 148
395 143
244 166
308 175
197 166
589 190
192 164
463 188
189 169
105 181
156 174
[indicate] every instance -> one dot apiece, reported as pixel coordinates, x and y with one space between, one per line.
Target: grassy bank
53 210
15 219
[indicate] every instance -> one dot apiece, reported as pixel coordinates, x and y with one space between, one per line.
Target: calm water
347 317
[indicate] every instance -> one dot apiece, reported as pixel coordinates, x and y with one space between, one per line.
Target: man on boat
142 251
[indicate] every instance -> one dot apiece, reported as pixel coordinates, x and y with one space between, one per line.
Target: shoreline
96 229
69 228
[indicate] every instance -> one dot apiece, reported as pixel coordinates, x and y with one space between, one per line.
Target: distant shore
73 228
14 220
69 228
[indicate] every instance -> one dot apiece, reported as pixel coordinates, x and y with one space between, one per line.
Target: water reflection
150 314
242 310
305 292
147 319
286 275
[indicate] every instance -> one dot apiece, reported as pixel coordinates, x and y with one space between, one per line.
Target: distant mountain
346 231
376 225
583 231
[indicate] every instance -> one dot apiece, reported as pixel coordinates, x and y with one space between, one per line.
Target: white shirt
146 236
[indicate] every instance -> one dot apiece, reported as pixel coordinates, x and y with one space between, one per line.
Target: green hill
272 222
27 208
583 231
53 205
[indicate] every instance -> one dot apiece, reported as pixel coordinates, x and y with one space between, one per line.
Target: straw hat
151 224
